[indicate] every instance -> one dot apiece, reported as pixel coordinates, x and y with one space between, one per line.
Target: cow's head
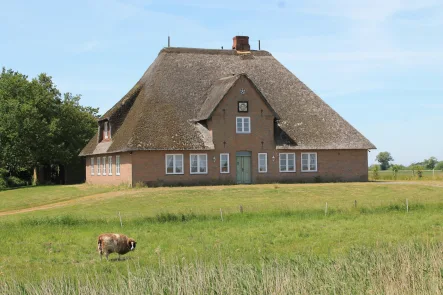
132 243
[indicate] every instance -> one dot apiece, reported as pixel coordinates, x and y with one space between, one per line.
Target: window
174 164
92 166
98 166
199 163
117 165
287 162
309 162
110 165
243 125
106 130
104 166
224 163
262 162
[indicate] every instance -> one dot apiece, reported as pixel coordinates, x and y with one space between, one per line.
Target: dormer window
106 135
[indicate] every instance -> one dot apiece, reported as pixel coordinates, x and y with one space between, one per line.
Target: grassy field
366 242
408 175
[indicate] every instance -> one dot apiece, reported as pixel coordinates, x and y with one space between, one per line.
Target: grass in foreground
283 236
414 268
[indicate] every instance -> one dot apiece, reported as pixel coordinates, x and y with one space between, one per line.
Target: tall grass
407 175
412 268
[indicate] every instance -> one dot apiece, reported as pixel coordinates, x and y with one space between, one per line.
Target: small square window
287 162
174 164
199 163
309 162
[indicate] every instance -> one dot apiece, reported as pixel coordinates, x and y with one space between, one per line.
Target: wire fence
407 175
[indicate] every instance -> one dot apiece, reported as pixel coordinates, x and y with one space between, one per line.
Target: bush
3 183
15 181
418 170
375 174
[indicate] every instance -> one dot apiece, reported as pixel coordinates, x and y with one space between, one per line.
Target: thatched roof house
178 103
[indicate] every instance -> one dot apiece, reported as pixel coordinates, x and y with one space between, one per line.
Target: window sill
308 171
288 171
117 174
198 173
175 173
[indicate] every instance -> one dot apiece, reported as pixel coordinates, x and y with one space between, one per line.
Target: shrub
417 170
140 184
15 181
3 183
395 169
375 174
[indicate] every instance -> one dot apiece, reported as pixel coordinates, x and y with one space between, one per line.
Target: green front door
243 167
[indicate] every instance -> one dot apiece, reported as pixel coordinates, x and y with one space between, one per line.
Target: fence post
407 206
221 214
121 224
355 204
241 209
326 208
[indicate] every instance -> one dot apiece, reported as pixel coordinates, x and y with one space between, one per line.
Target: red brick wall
125 176
332 165
150 166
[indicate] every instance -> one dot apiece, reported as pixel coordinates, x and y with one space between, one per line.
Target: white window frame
99 167
104 166
106 130
110 165
221 155
92 166
279 165
198 163
174 164
242 131
309 162
117 165
266 162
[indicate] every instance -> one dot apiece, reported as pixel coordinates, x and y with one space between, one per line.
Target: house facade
201 116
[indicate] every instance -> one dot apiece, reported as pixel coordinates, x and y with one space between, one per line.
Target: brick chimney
241 43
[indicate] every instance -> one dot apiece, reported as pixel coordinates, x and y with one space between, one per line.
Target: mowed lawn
175 226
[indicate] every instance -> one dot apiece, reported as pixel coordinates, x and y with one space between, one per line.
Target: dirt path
102 196
110 195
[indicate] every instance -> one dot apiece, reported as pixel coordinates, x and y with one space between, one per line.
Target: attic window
106 135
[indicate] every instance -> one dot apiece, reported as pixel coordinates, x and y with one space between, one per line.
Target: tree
384 158
37 126
430 163
439 166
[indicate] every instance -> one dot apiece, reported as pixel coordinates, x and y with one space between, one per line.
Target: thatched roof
184 85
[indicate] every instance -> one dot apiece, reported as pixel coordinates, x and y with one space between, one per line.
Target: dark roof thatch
184 85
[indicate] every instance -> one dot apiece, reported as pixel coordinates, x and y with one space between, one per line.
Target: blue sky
379 63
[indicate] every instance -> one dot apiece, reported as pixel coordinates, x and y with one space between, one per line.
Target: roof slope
183 84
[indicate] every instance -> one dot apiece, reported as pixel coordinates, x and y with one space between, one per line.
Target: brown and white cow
114 243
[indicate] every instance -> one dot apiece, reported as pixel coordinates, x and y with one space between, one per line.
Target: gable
223 87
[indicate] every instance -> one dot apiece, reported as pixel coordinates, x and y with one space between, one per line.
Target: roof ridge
213 51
